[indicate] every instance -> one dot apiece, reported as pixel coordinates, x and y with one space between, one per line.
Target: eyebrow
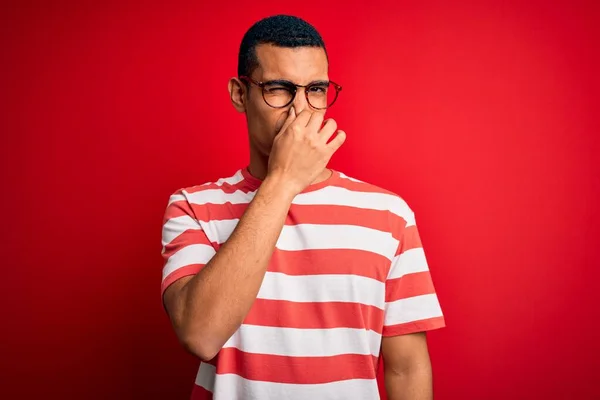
285 81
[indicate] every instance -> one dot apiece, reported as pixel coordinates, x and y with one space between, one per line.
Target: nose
300 102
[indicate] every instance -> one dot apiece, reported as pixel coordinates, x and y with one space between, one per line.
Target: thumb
290 118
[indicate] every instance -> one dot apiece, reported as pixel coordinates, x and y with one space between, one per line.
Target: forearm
219 297
414 383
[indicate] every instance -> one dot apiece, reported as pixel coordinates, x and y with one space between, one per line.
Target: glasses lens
321 95
277 95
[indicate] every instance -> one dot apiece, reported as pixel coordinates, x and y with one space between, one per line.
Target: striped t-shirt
348 268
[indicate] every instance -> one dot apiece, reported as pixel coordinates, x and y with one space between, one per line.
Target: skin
300 65
289 150
408 374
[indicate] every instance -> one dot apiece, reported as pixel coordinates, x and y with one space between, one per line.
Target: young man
289 279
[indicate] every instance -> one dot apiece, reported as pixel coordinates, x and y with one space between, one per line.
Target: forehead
300 65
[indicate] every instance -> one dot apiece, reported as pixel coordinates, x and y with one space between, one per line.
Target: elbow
199 346
204 353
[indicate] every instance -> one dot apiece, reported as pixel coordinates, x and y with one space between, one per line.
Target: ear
237 94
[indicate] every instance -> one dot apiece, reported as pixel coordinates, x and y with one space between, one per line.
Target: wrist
279 186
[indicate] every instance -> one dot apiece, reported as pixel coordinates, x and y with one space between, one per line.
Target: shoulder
217 190
378 197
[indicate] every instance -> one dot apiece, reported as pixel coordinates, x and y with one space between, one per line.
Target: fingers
303 118
316 120
328 130
337 141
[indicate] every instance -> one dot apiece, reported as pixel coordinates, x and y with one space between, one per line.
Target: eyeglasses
281 93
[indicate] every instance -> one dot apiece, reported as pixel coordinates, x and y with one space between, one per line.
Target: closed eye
277 92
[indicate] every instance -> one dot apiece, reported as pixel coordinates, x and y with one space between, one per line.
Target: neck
259 164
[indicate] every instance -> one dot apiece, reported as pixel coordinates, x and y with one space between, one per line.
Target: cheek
266 122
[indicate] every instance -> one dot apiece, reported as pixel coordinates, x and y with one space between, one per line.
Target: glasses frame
262 85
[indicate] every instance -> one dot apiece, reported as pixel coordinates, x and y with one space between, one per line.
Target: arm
407 367
412 308
206 308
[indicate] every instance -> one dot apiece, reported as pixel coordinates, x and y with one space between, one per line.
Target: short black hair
279 30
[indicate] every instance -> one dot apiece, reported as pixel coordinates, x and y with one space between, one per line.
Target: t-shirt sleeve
186 249
411 303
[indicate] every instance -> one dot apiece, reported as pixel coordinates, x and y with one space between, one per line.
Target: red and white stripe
348 268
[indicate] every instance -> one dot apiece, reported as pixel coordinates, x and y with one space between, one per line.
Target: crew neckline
255 183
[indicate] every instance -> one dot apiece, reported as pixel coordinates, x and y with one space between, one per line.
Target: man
289 279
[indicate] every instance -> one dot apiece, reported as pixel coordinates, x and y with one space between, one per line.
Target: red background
484 117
